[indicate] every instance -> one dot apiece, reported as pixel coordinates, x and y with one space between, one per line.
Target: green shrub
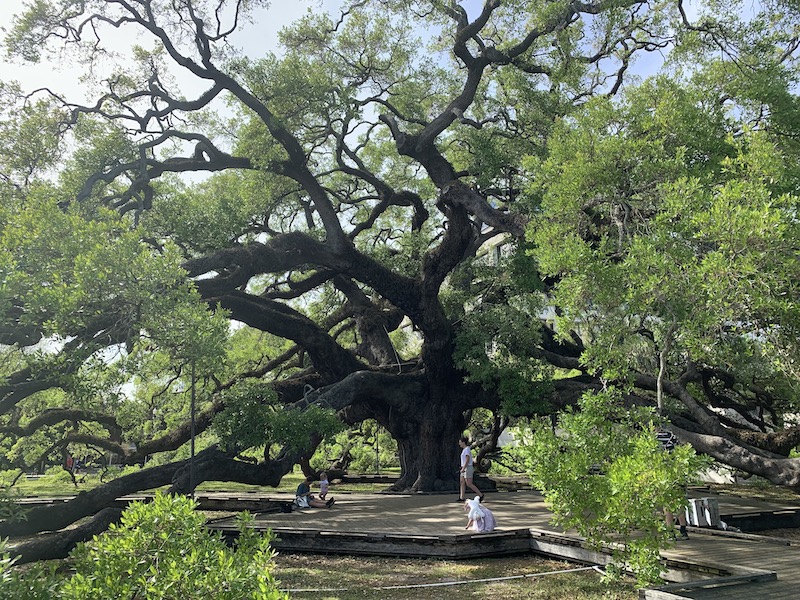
10 508
56 474
35 582
245 422
603 472
162 551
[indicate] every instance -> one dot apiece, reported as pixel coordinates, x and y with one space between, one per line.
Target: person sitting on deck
480 518
304 499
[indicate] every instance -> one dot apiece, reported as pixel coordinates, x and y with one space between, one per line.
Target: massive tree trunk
427 441
425 414
426 421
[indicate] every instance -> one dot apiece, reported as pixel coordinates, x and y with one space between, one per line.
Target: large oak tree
351 183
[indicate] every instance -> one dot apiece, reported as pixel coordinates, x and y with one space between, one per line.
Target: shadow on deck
712 564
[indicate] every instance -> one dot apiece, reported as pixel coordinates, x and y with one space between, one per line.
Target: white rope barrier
448 583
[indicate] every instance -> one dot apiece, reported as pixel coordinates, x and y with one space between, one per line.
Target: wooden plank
755 591
388 546
647 594
721 581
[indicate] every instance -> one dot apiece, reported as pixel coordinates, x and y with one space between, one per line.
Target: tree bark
427 435
780 471
54 517
214 465
59 545
210 465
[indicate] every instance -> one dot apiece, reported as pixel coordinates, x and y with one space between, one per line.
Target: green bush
251 420
162 551
603 472
245 422
36 582
10 508
56 474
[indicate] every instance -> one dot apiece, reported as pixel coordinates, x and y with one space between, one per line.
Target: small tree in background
603 473
354 450
10 508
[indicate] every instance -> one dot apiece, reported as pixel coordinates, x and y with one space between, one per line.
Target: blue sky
255 38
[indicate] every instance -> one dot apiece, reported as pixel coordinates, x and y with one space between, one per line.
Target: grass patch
54 486
289 484
367 577
60 485
759 491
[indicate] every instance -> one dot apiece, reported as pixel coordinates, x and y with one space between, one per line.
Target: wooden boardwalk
724 567
766 554
743 553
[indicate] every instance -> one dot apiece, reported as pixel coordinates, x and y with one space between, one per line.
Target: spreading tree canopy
310 229
667 222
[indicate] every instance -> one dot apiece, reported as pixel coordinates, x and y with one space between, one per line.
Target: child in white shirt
323 485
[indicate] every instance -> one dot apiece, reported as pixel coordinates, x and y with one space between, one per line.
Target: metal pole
191 459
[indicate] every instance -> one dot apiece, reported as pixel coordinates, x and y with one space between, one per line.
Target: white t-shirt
466 457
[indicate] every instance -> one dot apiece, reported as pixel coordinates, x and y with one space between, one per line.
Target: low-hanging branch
52 416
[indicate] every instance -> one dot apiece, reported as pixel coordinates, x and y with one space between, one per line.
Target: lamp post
377 451
191 459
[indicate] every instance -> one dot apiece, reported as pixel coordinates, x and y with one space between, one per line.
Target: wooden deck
711 564
765 554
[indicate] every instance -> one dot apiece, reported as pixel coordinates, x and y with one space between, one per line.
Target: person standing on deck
323 485
667 440
467 470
